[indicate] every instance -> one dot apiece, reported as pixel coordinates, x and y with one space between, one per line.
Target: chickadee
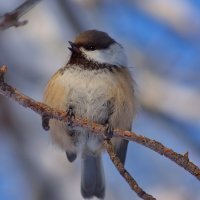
94 84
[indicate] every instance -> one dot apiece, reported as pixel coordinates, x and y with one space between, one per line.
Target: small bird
94 84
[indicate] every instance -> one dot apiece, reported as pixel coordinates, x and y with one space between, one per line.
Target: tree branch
133 184
43 109
12 18
181 160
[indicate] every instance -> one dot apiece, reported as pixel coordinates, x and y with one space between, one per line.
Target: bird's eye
90 48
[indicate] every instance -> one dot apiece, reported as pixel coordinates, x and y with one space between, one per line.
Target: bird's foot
108 131
70 115
45 122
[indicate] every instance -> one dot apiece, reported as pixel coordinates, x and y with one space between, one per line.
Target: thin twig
43 109
12 18
133 184
181 160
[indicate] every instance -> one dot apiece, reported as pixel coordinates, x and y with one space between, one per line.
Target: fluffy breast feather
89 91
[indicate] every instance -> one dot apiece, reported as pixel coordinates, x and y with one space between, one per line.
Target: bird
95 84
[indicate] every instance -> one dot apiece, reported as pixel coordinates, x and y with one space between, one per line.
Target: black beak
74 48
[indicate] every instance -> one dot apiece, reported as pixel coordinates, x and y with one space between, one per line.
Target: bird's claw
45 122
108 132
70 116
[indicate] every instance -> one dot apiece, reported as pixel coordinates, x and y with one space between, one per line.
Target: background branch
12 18
43 109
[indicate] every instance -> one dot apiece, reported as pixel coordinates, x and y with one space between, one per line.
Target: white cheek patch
114 55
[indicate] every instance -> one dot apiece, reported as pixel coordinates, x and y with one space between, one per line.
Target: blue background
161 39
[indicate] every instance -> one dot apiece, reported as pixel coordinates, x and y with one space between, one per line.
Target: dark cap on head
98 39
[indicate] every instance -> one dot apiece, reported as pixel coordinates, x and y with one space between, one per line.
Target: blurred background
162 41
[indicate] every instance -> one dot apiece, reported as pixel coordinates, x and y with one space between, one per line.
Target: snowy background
162 41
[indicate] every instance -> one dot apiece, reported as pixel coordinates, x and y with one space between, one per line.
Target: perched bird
95 84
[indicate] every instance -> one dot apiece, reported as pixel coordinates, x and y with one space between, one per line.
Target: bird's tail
92 178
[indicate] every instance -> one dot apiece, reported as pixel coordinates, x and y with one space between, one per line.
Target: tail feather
121 150
92 179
